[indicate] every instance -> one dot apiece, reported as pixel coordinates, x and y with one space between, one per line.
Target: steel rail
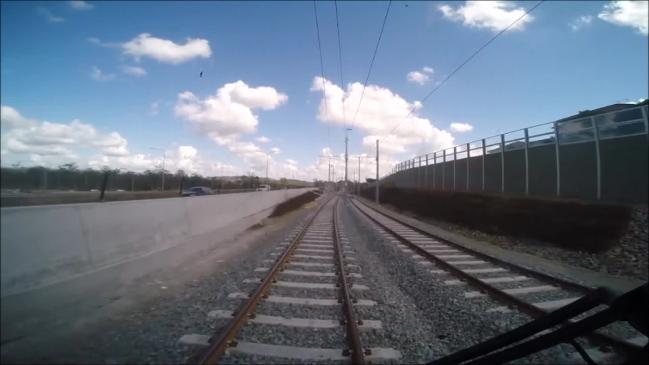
353 335
247 309
539 275
507 299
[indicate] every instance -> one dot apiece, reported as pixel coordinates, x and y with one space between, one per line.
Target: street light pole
268 183
358 188
346 156
164 158
376 193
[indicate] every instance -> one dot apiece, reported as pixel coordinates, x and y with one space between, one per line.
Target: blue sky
100 83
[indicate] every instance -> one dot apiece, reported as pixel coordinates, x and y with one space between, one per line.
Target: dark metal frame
630 306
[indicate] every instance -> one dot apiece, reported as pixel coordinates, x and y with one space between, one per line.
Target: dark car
198 191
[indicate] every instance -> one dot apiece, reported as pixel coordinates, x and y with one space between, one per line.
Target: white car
263 188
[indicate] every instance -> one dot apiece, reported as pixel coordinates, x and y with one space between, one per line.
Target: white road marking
303 301
476 262
506 279
305 285
307 353
454 256
295 322
549 305
514 291
484 271
314 245
639 340
314 250
310 264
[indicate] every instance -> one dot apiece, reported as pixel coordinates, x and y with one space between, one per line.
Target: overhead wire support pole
376 193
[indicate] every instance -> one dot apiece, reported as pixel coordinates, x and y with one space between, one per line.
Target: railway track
515 288
302 306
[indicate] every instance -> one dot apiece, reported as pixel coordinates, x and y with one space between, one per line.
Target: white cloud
492 15
461 127
12 119
186 158
134 71
80 5
25 136
30 142
275 150
99 42
420 77
154 108
581 22
379 114
229 113
628 14
99 75
50 16
166 51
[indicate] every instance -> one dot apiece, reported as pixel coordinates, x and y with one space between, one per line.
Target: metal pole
444 171
597 159
419 173
104 183
346 140
376 194
646 121
454 159
558 160
502 163
468 155
434 169
527 163
484 152
164 158
426 173
267 169
359 176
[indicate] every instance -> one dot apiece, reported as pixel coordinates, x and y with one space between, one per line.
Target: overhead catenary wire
340 64
468 59
324 88
369 71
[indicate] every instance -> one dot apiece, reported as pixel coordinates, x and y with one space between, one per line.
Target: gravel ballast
629 258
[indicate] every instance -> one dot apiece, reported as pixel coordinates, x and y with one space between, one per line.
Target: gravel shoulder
426 319
630 258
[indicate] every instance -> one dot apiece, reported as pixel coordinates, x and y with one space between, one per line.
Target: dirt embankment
293 203
573 225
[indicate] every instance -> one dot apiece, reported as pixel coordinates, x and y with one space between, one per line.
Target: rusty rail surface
246 311
353 336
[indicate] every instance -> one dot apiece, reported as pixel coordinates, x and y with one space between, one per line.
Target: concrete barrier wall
41 245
